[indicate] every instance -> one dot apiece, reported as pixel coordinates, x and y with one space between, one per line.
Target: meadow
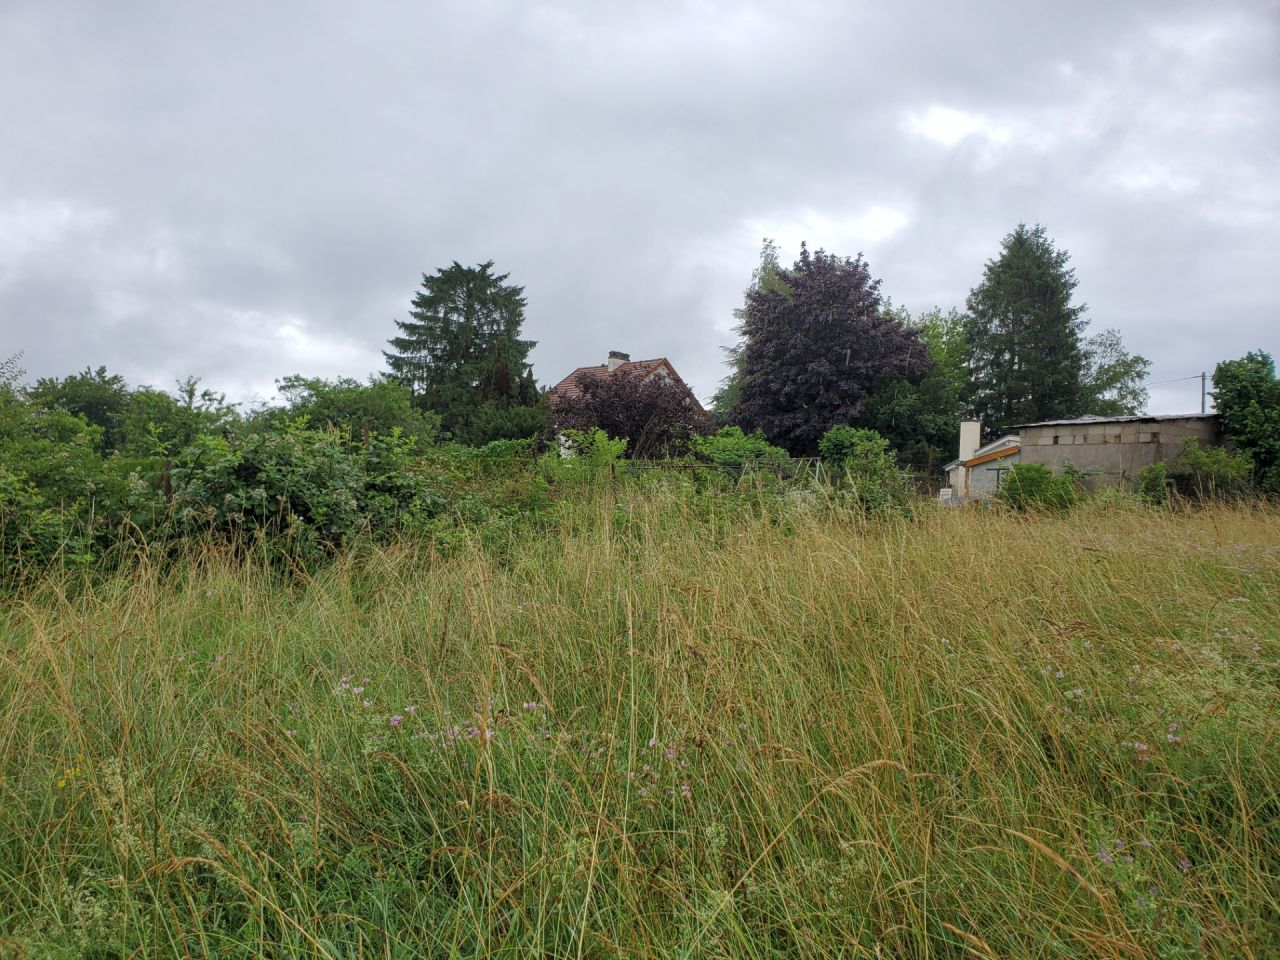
658 723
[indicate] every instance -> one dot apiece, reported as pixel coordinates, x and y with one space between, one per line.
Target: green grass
660 725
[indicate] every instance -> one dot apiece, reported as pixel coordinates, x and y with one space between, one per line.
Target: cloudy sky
244 190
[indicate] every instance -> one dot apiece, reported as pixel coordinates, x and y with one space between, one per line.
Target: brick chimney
617 358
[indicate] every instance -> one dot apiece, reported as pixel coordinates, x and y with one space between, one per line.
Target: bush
584 455
1029 486
1152 485
308 492
731 447
861 460
1208 473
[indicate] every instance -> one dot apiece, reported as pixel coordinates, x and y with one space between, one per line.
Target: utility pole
1203 386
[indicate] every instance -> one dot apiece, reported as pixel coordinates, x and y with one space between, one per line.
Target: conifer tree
1025 357
460 353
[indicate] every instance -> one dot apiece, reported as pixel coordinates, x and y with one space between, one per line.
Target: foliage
1152 484
62 501
1246 394
11 372
1026 362
461 347
921 417
357 410
100 398
1206 473
585 455
137 422
656 414
1114 380
494 420
767 277
1034 486
304 492
862 460
816 346
159 424
731 447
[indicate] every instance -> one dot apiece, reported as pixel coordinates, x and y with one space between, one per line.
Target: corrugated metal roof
1084 421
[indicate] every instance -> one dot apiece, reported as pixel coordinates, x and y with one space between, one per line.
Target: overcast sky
245 190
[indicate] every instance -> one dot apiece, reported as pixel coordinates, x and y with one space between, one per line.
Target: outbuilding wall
1114 450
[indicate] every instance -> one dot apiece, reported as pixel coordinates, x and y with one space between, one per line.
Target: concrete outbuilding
1113 449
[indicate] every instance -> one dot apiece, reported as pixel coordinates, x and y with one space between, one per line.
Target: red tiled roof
571 386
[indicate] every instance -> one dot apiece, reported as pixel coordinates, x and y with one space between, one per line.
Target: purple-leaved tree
815 347
657 415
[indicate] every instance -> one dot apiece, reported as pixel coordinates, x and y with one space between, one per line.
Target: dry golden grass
661 724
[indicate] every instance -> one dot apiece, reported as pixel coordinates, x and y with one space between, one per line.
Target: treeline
820 346
824 366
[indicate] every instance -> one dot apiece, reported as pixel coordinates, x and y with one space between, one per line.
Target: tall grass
660 726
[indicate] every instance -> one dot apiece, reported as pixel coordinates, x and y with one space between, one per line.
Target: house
620 364
1114 449
1109 450
977 471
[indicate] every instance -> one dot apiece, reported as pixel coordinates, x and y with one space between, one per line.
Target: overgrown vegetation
657 719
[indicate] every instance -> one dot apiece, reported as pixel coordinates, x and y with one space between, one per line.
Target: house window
1055 439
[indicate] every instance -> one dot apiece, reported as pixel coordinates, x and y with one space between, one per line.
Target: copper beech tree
816 347
657 415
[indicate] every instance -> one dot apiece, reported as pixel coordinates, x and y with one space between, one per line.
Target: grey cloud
244 190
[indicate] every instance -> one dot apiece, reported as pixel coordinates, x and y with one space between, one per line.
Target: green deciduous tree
1247 396
461 347
920 416
101 398
358 410
1114 379
1025 357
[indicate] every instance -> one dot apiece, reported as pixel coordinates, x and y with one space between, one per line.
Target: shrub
584 455
1152 485
357 409
1029 486
1206 473
861 460
731 447
307 491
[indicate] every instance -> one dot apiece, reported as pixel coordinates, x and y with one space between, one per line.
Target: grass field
661 727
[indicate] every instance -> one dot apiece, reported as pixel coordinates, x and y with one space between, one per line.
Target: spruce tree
1026 361
460 353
